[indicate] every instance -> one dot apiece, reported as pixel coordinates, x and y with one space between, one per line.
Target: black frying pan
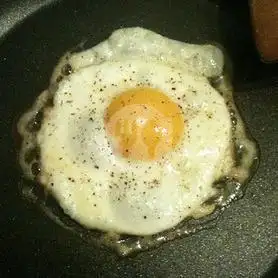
244 241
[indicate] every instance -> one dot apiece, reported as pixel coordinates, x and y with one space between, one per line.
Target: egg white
139 43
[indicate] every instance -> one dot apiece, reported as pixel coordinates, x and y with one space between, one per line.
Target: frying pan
243 241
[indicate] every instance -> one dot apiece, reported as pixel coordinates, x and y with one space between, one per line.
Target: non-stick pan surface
34 34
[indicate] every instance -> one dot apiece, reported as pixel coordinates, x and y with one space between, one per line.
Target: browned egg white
136 142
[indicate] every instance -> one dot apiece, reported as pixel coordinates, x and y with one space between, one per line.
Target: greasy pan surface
244 241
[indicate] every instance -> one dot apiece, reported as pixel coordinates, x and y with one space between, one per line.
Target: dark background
34 34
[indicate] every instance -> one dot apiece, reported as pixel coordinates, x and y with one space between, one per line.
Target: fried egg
135 137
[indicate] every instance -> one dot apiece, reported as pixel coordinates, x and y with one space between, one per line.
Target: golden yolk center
144 124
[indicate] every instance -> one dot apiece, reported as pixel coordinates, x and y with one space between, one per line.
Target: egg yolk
144 124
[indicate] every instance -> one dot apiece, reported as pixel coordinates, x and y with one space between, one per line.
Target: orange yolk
144 124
